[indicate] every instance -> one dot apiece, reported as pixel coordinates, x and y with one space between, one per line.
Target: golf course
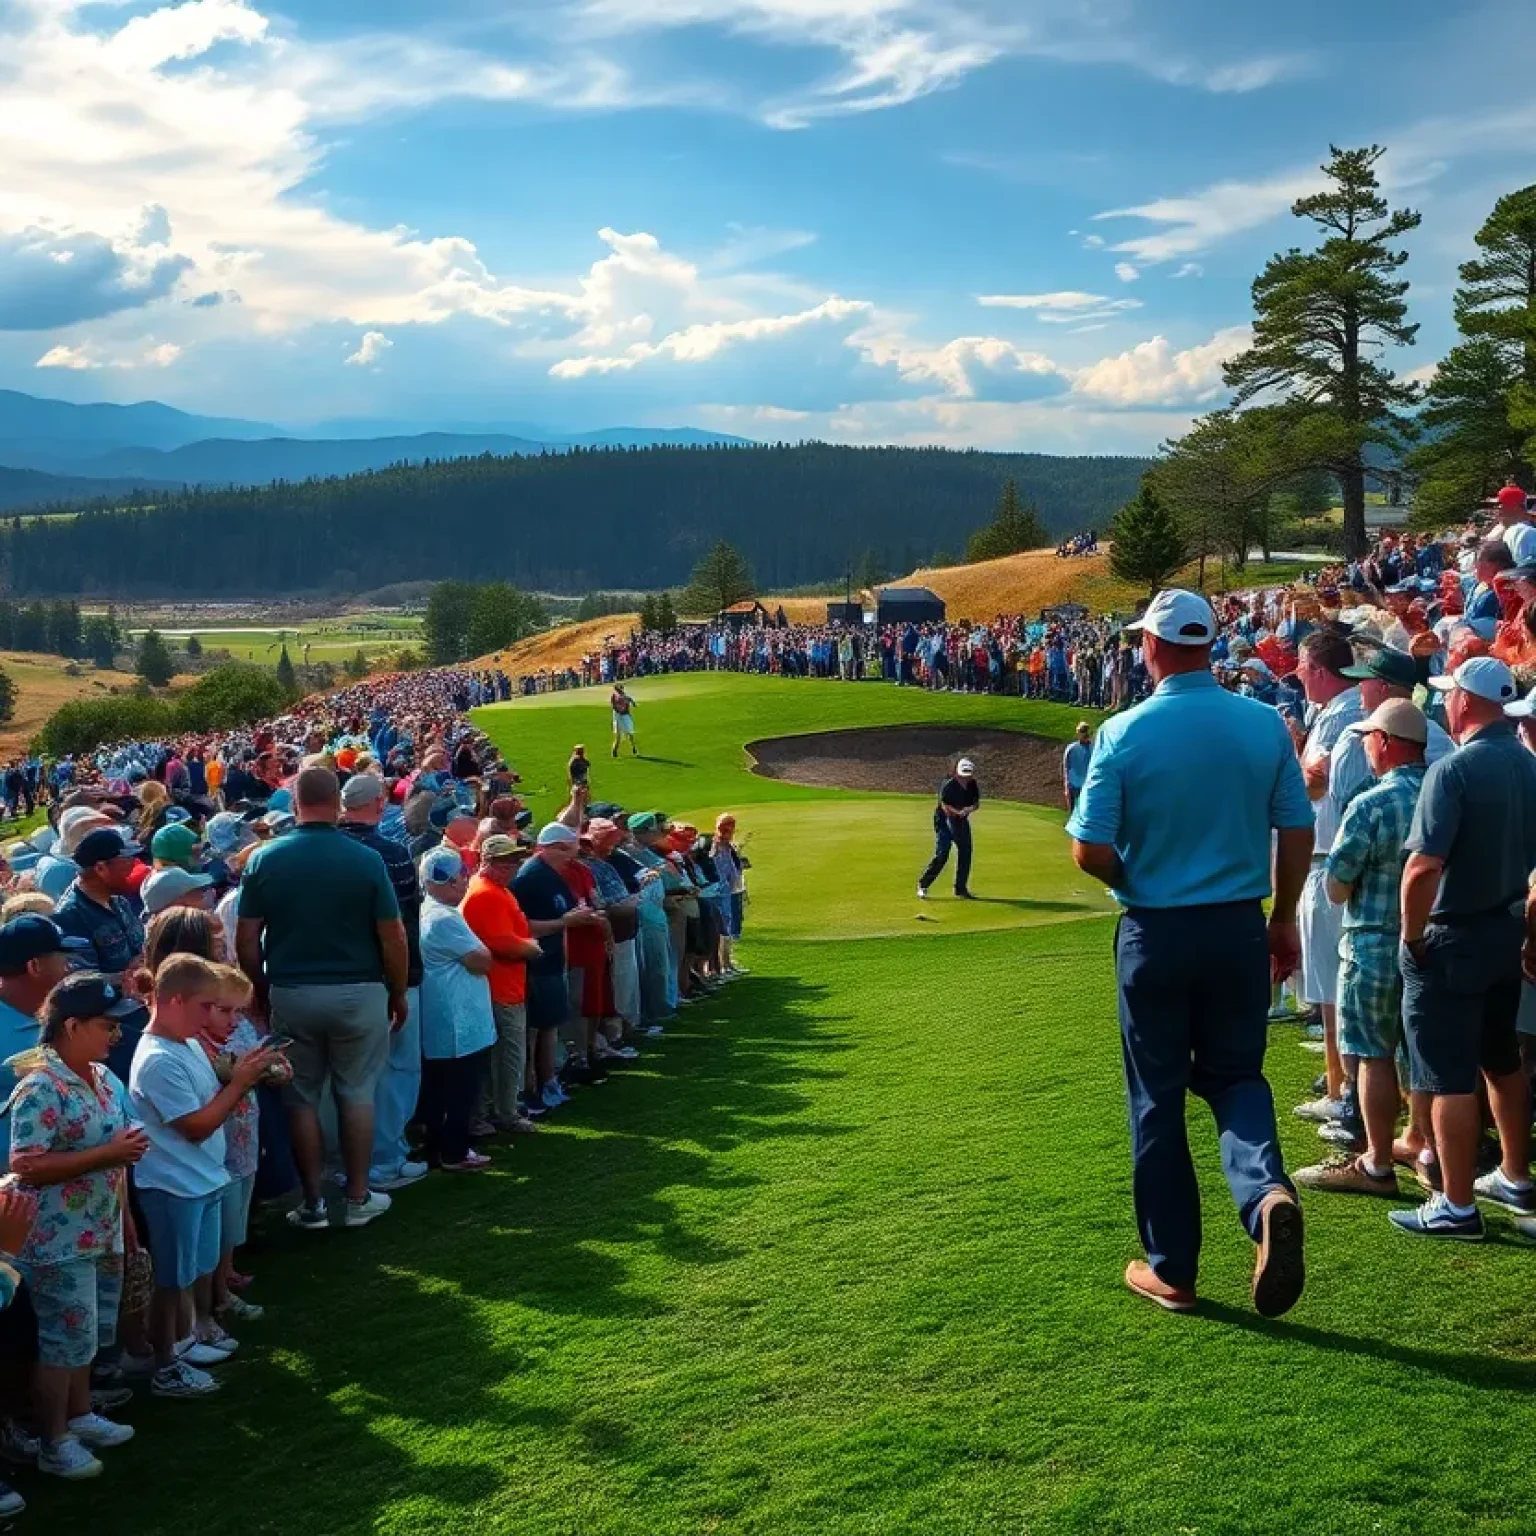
841 1255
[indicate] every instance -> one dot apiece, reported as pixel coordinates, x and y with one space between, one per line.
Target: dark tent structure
908 605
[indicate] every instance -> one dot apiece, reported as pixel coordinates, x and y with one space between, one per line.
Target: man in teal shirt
1183 799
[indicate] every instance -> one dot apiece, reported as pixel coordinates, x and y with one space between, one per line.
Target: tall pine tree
1321 316
721 578
1014 528
1147 545
152 660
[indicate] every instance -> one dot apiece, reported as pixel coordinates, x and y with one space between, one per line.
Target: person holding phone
71 1140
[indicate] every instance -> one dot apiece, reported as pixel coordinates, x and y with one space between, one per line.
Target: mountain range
74 452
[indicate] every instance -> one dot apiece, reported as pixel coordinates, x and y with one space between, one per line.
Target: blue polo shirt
1187 788
18 1032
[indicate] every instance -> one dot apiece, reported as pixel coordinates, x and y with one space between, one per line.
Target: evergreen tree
446 625
499 615
648 613
8 617
1013 529
721 578
287 679
7 696
871 570
64 637
1147 546
100 641
194 647
31 628
1320 316
666 614
152 660
357 666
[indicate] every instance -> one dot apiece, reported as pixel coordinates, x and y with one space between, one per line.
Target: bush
7 696
229 696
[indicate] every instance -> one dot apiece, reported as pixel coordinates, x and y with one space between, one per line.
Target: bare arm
202 1123
1421 881
1098 860
45 1168
511 951
248 932
477 962
1338 892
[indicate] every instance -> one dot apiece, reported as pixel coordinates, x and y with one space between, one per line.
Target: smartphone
276 1043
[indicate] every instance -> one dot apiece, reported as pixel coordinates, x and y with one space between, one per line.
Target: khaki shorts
339 1031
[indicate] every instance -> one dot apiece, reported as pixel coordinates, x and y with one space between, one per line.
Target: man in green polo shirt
321 938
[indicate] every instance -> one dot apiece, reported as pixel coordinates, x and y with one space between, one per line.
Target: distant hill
31 488
34 429
576 521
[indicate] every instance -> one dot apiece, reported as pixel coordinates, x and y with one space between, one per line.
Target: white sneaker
1497 1190
372 1206
195 1352
11 1502
247 1311
67 1458
922 893
182 1380
92 1430
214 1337
407 1174
1322 1109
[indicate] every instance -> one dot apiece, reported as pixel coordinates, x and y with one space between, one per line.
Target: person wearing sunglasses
71 1139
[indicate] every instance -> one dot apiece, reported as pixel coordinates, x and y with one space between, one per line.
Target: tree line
634 519
468 619
1317 408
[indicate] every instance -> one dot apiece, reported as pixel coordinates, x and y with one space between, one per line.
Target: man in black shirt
363 799
959 795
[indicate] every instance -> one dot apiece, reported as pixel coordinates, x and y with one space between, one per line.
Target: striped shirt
1368 853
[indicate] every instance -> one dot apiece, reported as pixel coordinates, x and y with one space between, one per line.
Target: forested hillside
570 522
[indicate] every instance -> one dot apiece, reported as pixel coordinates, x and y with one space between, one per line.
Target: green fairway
841 1255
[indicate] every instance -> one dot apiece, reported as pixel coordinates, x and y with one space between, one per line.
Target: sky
1023 224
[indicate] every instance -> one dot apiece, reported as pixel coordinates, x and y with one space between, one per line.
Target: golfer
959 795
1175 817
623 708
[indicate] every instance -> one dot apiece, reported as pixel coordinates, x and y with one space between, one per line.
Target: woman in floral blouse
71 1141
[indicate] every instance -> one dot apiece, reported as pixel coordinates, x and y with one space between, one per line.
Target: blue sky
1009 223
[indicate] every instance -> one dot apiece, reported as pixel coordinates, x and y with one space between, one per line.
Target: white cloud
162 356
1190 269
88 356
66 357
1194 223
369 351
1127 271
1153 374
1063 308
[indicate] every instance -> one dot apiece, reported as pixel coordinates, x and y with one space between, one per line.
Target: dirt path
914 759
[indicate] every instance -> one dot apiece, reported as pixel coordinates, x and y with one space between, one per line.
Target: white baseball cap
1179 617
166 887
1483 677
557 832
966 768
1522 709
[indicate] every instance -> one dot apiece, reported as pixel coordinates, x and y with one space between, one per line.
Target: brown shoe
1346 1175
1281 1270
1142 1279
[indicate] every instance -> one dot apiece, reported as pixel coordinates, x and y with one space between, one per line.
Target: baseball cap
500 846
166 887
440 866
556 834
229 833
176 845
1387 664
604 826
279 821
90 995
1484 677
643 821
1525 572
1178 616
30 937
965 768
1522 709
103 844
173 814
1401 718
360 790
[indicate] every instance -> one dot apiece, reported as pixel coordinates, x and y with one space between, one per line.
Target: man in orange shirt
496 919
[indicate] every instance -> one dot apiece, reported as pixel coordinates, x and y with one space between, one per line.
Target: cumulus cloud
372 347
1153 374
66 357
50 278
88 356
1127 271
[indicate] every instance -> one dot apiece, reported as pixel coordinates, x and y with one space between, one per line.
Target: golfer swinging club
959 795
623 708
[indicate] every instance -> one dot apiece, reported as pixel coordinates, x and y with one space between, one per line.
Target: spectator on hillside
1074 764
321 938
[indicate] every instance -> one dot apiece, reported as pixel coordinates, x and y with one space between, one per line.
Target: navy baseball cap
90 995
30 937
103 844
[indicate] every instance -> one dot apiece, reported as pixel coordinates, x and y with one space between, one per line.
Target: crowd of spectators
303 966
1079 544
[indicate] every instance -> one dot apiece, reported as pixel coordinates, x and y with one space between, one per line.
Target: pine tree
1013 529
286 676
152 660
1320 316
100 641
1147 546
7 696
666 614
446 625
648 613
357 667
721 578
194 647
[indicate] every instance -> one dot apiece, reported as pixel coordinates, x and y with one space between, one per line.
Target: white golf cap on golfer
966 768
1484 678
1179 617
1522 709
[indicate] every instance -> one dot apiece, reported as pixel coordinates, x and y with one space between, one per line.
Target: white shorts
1322 925
623 725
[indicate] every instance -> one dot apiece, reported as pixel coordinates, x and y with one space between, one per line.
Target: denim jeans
396 1093
1194 994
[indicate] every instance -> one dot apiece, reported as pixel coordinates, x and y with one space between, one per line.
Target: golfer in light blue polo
1186 796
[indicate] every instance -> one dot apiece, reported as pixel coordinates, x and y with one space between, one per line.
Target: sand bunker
913 760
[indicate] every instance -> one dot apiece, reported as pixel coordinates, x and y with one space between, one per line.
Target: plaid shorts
1370 995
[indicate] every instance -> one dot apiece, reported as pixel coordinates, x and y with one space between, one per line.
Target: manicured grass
841 1256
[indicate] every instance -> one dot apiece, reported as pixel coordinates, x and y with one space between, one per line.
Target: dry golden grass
1025 584
562 647
42 686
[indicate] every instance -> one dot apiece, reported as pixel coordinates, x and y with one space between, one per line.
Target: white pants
1322 924
626 982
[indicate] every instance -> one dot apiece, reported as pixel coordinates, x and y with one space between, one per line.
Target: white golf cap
1484 678
1522 709
966 768
1179 617
557 832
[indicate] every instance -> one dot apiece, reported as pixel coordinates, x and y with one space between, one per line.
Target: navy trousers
948 832
1194 995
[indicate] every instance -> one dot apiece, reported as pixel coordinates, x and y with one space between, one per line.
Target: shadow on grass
1500 1374
391 1357
1029 904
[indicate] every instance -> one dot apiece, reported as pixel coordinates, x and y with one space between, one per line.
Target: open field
334 640
841 1255
42 686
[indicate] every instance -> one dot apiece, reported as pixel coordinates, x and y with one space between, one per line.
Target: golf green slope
842 1255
